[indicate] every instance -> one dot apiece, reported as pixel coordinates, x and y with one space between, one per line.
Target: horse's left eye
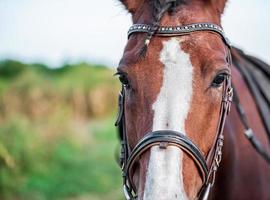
218 80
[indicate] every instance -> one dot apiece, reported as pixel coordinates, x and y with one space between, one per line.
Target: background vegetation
57 139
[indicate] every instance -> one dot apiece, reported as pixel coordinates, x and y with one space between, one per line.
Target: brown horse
177 88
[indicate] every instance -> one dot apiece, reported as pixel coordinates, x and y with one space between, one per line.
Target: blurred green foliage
57 139
11 68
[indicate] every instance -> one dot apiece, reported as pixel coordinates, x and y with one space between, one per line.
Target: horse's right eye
124 80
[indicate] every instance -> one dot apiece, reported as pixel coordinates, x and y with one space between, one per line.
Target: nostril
167 125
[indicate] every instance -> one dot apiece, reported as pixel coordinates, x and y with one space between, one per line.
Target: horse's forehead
204 49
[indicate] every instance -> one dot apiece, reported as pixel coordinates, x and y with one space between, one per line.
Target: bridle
163 138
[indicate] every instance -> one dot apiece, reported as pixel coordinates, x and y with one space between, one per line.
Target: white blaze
164 179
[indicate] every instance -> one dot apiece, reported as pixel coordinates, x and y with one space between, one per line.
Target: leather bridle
164 138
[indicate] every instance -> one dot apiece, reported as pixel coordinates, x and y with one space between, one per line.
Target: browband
178 30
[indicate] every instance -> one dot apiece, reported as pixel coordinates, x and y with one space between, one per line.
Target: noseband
164 138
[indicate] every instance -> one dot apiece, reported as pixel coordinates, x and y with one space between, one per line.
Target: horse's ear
132 5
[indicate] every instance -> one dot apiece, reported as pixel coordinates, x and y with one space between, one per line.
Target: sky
60 31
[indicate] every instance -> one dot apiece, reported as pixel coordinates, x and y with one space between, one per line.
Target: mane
160 7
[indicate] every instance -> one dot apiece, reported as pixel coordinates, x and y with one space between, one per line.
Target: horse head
175 73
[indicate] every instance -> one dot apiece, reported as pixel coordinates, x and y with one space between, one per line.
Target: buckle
230 94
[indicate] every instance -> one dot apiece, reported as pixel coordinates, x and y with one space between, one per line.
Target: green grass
68 166
57 139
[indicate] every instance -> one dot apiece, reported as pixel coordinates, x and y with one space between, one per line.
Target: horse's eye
218 80
124 80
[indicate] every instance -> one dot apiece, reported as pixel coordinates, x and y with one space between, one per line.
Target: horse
186 100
